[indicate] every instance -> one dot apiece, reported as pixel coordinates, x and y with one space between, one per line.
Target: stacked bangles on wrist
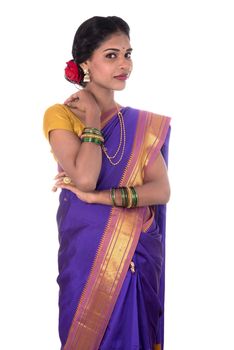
129 197
92 135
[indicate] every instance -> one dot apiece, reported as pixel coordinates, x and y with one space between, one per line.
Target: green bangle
94 136
134 197
92 139
124 196
112 195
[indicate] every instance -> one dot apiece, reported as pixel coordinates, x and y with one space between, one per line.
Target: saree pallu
103 303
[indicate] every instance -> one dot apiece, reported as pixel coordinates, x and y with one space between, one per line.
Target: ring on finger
66 180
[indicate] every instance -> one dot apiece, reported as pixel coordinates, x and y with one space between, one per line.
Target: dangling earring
86 78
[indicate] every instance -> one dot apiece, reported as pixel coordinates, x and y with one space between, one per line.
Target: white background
183 68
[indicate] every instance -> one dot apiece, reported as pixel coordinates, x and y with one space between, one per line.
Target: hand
84 104
88 197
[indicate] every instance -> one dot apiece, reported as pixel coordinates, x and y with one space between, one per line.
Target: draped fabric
103 303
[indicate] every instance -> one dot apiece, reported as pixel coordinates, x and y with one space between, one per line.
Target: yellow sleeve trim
59 116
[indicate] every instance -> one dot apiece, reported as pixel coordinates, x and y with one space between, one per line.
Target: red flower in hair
72 73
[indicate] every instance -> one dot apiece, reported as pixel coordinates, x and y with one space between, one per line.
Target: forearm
151 193
89 159
87 166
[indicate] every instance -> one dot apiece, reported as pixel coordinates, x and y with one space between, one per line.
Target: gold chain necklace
122 142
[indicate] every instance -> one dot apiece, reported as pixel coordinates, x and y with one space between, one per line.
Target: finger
73 97
67 187
68 100
61 182
76 94
72 104
59 175
54 188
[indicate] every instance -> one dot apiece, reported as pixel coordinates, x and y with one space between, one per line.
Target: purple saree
103 303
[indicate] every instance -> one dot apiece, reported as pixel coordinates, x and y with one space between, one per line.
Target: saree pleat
133 324
134 320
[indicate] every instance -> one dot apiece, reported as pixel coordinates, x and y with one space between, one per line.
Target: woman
111 217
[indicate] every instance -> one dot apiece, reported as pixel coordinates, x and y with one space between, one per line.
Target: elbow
166 194
85 185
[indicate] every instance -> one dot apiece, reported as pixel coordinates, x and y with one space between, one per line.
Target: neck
104 98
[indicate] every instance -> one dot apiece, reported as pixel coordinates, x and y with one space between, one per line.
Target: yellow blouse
60 116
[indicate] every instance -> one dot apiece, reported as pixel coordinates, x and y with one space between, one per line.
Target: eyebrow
116 50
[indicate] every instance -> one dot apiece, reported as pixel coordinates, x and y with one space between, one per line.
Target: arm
155 189
80 161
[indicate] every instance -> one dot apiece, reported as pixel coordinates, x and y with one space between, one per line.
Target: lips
121 77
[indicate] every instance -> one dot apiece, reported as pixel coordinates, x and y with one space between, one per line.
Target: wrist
125 197
102 197
92 197
93 123
93 114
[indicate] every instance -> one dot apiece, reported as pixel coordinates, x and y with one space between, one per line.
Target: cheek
101 71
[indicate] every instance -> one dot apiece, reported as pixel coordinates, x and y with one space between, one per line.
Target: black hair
90 35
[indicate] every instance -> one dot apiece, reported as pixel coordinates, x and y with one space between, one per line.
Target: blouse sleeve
56 117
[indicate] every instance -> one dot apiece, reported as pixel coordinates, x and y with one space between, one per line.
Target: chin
119 87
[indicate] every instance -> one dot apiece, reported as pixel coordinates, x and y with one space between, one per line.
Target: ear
84 65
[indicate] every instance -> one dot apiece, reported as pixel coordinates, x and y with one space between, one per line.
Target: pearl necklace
122 142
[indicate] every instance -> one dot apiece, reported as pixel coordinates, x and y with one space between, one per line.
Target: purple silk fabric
135 321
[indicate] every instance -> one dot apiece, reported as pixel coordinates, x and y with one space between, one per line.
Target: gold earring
86 76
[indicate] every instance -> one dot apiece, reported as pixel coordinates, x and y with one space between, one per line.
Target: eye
111 55
128 55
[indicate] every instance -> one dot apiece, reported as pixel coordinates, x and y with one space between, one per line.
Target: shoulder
148 117
147 114
154 116
158 122
57 117
156 129
56 109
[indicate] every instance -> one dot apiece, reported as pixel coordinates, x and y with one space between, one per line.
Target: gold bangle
93 136
92 130
129 197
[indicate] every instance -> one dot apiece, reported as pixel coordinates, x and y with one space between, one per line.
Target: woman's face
111 63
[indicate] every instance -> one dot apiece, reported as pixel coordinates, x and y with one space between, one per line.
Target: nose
125 63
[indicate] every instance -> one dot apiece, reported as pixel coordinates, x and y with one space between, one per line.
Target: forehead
119 41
